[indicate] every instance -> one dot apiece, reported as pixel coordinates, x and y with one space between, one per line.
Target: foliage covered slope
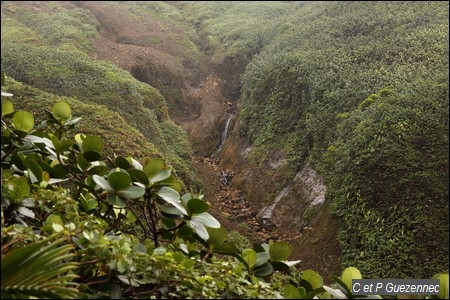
129 231
304 92
106 235
357 89
46 44
120 137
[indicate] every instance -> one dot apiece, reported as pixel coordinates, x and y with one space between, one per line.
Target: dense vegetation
49 51
398 143
385 158
359 90
73 227
102 237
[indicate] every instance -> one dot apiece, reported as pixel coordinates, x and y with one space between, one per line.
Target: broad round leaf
168 194
61 111
122 162
88 202
92 143
7 107
35 169
177 185
139 176
196 206
102 183
131 218
207 220
444 286
280 266
21 134
81 161
160 176
33 156
153 167
261 258
49 221
23 121
291 292
303 292
17 160
119 180
199 229
88 183
263 270
185 231
166 182
131 192
79 138
314 279
97 167
171 196
258 248
64 145
186 198
169 212
26 212
169 222
92 156
135 164
348 274
167 216
249 255
280 251
226 248
216 236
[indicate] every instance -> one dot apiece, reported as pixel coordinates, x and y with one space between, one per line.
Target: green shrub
392 198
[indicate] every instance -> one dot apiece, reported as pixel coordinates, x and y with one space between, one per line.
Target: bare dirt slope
229 205
205 130
159 53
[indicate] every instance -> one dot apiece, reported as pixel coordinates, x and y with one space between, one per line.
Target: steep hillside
120 138
47 45
315 65
327 122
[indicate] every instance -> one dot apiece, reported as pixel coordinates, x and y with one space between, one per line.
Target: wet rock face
264 216
288 207
312 185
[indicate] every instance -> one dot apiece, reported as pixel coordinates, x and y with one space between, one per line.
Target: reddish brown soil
150 50
228 205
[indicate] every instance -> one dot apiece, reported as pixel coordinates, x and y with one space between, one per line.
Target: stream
223 136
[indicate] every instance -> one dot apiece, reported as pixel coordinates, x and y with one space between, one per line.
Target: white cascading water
223 137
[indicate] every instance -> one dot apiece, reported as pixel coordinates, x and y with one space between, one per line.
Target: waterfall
223 137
